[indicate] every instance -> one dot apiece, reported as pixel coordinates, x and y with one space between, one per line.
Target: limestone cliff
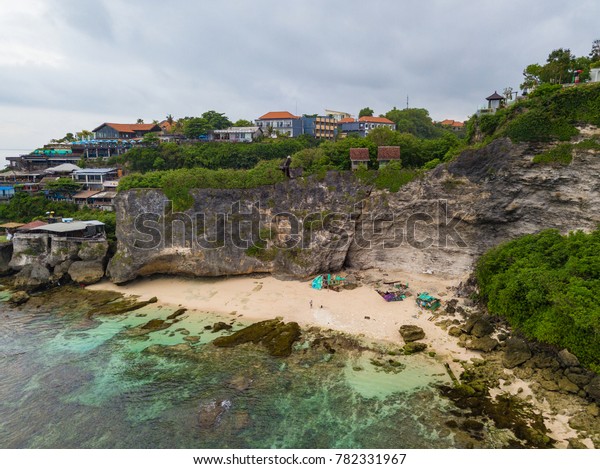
440 222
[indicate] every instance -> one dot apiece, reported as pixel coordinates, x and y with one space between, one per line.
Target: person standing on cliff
286 167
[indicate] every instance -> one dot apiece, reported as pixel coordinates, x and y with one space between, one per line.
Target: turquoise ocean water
68 382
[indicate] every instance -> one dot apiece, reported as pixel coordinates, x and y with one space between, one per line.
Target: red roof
32 225
375 120
346 120
278 115
452 123
129 128
388 153
359 154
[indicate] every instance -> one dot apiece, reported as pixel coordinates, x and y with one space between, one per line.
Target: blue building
7 192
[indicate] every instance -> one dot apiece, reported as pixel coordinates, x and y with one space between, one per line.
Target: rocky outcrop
86 272
516 352
411 333
304 226
41 260
32 277
6 250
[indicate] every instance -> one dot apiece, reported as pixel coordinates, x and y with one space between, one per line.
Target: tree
558 68
216 120
65 187
84 135
195 127
242 123
414 121
170 119
140 121
595 53
151 138
532 76
366 111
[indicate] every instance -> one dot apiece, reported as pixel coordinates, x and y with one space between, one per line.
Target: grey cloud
149 58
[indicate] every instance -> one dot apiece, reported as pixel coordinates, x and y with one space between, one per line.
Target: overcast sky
68 65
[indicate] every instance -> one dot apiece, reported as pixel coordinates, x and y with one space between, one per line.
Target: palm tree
140 121
170 119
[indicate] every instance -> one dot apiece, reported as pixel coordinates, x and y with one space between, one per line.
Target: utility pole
407 102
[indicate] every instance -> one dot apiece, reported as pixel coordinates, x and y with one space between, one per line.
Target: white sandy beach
361 311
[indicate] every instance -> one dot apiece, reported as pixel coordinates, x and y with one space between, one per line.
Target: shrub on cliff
549 113
176 184
548 286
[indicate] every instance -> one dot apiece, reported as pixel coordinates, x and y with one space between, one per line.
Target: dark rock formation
482 327
221 326
516 352
31 277
411 333
482 344
278 337
567 359
593 388
18 298
6 250
414 347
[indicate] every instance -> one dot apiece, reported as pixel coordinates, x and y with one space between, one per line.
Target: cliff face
440 223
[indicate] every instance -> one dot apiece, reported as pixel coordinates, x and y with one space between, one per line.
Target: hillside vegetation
549 113
548 286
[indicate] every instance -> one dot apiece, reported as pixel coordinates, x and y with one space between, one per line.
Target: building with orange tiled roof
359 157
456 126
280 122
386 154
111 131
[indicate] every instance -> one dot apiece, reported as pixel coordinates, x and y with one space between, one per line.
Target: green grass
559 155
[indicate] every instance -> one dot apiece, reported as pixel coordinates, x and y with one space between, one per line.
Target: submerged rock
18 298
277 336
411 333
177 313
221 326
211 412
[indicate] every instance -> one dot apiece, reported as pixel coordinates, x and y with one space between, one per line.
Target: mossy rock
277 336
414 347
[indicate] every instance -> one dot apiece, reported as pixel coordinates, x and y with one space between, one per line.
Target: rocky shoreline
526 394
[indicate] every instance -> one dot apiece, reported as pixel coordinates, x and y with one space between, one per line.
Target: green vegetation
550 113
24 208
560 67
563 154
391 177
415 122
212 155
65 187
177 184
548 286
